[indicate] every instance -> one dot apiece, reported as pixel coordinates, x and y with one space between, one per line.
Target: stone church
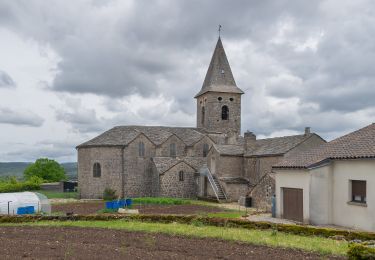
209 160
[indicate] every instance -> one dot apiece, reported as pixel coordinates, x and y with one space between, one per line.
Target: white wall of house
327 193
298 179
345 214
321 187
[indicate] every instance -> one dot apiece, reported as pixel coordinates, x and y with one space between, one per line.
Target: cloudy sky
72 69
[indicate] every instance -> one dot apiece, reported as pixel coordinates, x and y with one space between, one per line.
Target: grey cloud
63 151
6 80
12 117
117 49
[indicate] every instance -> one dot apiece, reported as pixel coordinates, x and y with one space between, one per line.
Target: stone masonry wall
170 186
235 190
229 166
164 149
138 169
212 119
262 193
111 171
197 149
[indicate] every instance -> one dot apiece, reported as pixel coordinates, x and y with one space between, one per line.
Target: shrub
13 185
109 194
360 251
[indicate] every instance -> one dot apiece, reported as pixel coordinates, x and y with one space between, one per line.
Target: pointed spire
219 77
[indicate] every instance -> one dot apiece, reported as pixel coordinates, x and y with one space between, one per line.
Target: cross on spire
219 30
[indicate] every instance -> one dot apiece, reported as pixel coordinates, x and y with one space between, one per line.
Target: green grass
59 195
260 237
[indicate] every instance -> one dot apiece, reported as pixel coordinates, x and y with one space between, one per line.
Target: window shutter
359 188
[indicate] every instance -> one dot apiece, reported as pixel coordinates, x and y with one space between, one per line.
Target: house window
141 149
205 150
224 113
96 170
172 150
181 176
359 191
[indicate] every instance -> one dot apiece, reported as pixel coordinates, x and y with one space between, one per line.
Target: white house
332 184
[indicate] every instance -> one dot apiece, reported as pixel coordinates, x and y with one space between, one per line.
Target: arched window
96 170
205 150
181 176
203 115
141 149
224 113
172 150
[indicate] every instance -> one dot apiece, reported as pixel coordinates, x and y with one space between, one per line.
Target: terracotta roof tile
355 145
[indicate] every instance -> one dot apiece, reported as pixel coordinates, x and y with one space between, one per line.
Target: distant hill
16 169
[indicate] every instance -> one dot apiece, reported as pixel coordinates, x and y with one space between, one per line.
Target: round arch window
219 98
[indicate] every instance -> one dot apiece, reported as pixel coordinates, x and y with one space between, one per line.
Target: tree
46 169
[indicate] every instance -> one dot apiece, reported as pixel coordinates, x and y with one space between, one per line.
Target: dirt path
92 243
93 207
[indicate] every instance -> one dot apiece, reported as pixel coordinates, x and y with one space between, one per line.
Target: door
293 204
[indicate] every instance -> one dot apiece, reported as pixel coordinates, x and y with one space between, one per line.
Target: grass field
260 237
59 195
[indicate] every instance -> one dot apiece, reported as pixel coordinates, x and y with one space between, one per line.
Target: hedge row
360 251
18 186
190 219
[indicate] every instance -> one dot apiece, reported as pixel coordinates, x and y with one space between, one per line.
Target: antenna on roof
219 30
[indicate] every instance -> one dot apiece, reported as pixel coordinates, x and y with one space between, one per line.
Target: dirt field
93 207
91 243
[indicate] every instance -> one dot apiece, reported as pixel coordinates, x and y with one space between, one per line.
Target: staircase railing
205 171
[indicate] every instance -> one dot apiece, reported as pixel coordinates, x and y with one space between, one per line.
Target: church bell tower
219 100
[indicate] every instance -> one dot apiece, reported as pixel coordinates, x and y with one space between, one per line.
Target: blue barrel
129 202
25 210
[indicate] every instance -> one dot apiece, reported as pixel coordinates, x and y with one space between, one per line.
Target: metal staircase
215 184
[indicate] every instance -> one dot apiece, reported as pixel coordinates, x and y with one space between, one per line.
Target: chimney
250 139
307 130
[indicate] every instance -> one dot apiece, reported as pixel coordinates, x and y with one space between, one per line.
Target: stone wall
262 193
170 186
138 169
164 149
235 190
212 118
110 160
197 149
225 166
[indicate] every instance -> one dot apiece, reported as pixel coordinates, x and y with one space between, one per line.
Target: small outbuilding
331 184
11 203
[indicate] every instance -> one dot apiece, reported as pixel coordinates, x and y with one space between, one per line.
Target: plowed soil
94 207
94 243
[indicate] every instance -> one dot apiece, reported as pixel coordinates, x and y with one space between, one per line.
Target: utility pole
8 205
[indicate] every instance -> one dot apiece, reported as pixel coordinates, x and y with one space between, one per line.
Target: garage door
293 204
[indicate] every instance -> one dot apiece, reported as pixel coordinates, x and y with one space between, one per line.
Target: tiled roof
277 145
355 145
163 164
229 149
219 77
123 135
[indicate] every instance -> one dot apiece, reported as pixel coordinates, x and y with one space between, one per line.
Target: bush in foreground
361 251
